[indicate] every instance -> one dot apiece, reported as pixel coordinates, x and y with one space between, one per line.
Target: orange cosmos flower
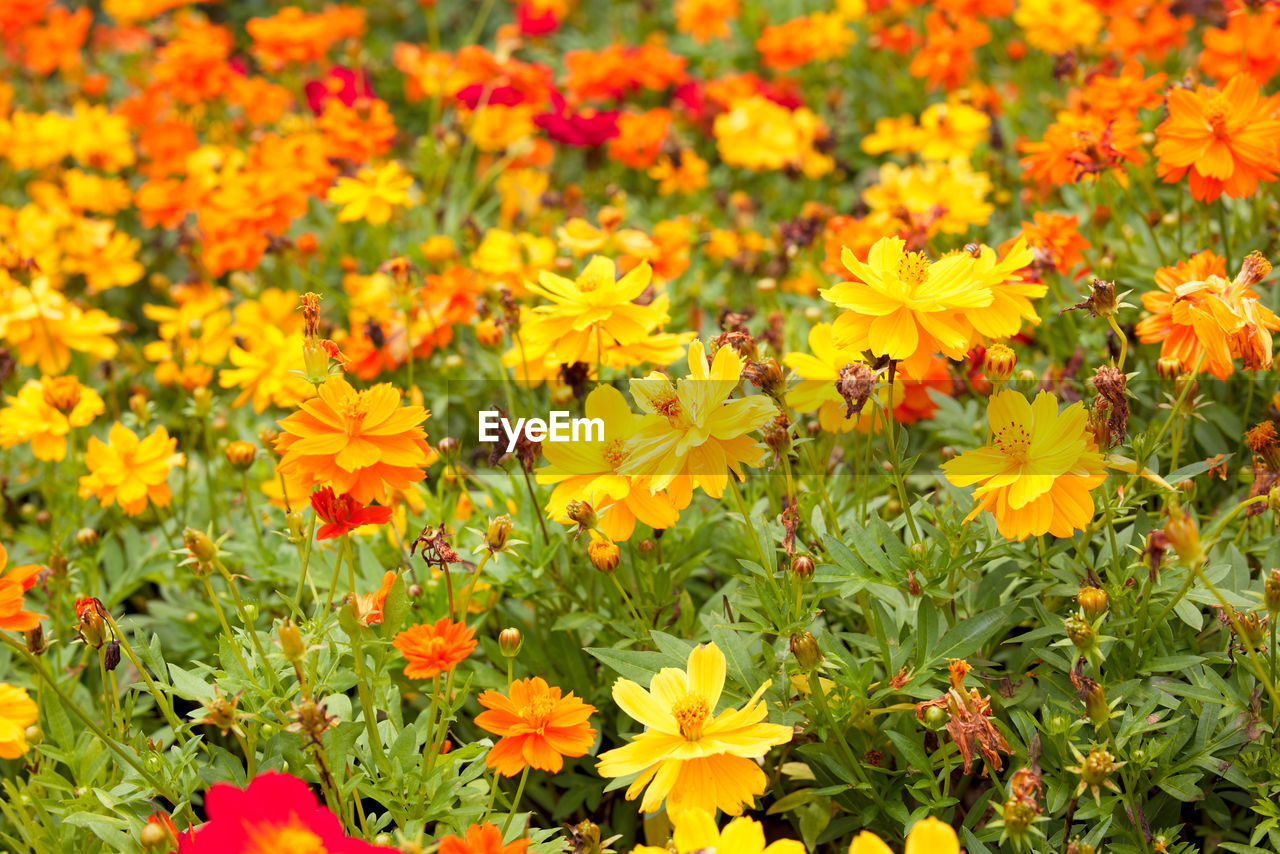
1055 240
1246 44
482 839
358 442
369 606
13 583
537 727
434 649
1080 144
1226 139
130 470
1202 319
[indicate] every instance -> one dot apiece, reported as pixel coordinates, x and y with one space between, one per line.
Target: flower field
704 427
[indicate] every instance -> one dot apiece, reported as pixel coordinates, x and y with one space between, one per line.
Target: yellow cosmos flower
816 392
587 471
271 372
373 194
946 197
1057 26
130 470
43 327
689 756
17 712
43 413
594 320
1036 474
694 435
696 831
928 836
903 306
759 134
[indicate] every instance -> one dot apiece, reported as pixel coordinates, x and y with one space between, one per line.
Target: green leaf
969 636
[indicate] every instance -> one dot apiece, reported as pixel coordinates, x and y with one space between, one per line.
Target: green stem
515 803
75 709
248 623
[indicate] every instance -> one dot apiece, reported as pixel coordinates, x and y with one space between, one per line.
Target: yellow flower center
1014 440
1216 114
691 712
291 838
537 712
913 269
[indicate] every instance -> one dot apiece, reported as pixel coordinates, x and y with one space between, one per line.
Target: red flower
535 21
342 513
277 812
342 83
584 128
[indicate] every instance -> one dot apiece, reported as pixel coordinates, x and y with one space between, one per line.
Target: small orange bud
604 555
510 641
999 363
240 454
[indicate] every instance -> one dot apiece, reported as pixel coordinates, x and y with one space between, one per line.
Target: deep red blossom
584 128
345 84
342 513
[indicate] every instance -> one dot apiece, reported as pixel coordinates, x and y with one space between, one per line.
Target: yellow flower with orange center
693 434
689 756
358 442
130 470
43 413
1036 474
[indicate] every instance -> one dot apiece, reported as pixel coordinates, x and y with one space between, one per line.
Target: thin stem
75 709
515 804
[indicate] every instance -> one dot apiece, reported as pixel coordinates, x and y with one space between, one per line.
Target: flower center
1216 114
691 712
913 269
353 411
291 838
615 453
537 712
1014 440
668 406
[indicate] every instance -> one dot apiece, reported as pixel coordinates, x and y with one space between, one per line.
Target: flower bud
647 546
499 531
35 640
201 548
291 641
1181 531
1092 601
999 363
1095 704
111 655
510 641
86 537
1253 629
34 734
1081 633
804 646
153 837
582 513
935 717
1018 816
1271 592
92 626
604 555
297 530
1170 368
315 361
802 567
240 454
138 406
